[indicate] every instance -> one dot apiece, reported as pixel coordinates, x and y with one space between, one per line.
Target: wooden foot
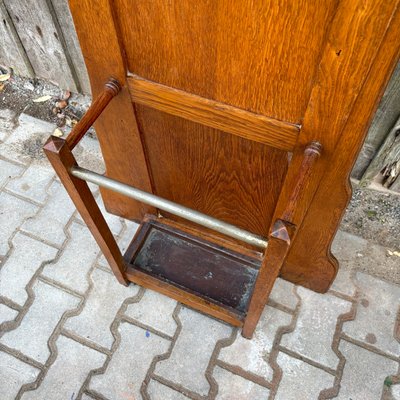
62 159
275 255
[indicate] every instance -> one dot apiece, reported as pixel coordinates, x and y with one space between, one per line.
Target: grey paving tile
315 327
198 337
154 310
364 373
76 260
32 335
13 374
158 391
68 372
8 171
27 139
13 212
25 259
376 314
7 122
282 293
252 355
234 387
102 303
129 364
301 381
344 282
7 314
50 221
33 184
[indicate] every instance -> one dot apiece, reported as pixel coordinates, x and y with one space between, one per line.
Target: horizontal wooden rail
256 127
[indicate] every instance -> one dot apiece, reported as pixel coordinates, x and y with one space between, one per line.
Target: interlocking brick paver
31 336
7 313
123 241
103 301
234 387
191 354
33 183
301 381
395 392
376 314
13 212
315 327
344 282
50 221
282 293
68 372
158 391
114 223
252 355
13 374
75 262
154 310
27 139
127 369
8 171
7 123
25 259
364 373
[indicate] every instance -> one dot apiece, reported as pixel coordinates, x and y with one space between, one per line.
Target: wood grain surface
248 125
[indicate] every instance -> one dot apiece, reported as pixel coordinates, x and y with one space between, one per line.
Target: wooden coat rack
229 130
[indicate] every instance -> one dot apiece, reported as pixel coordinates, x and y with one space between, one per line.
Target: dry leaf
58 132
61 104
42 99
1 87
4 77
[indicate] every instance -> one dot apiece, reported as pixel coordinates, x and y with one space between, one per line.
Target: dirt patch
375 216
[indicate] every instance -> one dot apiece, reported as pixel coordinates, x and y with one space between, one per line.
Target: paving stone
76 260
13 212
379 303
344 283
154 310
346 247
7 314
27 139
32 334
364 373
8 171
50 221
104 300
234 387
68 372
25 259
13 374
115 223
129 364
158 391
395 389
282 293
33 183
124 241
252 355
7 123
198 338
316 326
301 381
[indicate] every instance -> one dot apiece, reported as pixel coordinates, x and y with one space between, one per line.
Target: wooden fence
38 39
